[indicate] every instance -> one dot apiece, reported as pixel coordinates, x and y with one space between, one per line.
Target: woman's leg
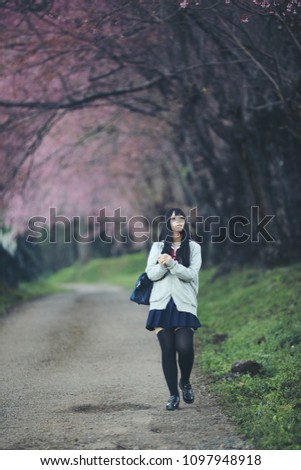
166 339
184 347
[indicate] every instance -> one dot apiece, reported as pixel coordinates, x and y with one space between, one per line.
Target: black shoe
188 395
173 402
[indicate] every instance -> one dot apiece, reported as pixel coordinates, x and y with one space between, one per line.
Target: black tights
172 342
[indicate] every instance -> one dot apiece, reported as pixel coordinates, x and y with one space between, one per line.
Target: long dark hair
182 253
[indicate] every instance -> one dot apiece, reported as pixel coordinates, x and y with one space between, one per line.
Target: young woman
174 263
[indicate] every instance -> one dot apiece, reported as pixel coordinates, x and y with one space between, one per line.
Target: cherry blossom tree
140 103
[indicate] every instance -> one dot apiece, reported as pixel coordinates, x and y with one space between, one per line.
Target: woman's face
177 222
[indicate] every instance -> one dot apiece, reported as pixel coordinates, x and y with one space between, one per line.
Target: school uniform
173 301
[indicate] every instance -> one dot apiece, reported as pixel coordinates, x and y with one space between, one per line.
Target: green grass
249 313
9 297
260 312
121 270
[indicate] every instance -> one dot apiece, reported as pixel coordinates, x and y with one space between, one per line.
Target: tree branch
76 104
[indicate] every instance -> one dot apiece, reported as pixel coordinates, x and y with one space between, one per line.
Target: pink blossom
184 4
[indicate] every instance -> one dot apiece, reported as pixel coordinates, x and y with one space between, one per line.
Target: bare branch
76 104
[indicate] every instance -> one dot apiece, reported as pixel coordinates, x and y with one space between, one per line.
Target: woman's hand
164 259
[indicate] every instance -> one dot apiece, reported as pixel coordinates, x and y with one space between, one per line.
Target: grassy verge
254 314
248 314
121 270
10 297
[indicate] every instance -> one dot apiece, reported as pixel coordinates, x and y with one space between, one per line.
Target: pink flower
184 4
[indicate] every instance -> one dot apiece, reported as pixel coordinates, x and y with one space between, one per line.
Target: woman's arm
190 273
154 270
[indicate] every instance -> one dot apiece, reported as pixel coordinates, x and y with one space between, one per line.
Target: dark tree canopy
215 85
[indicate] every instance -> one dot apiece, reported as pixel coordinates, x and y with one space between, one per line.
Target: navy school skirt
171 318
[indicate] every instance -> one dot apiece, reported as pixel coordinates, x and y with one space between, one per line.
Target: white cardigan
180 283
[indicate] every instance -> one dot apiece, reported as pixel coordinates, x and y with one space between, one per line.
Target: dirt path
80 371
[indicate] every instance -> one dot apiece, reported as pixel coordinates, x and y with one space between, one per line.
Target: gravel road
80 371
